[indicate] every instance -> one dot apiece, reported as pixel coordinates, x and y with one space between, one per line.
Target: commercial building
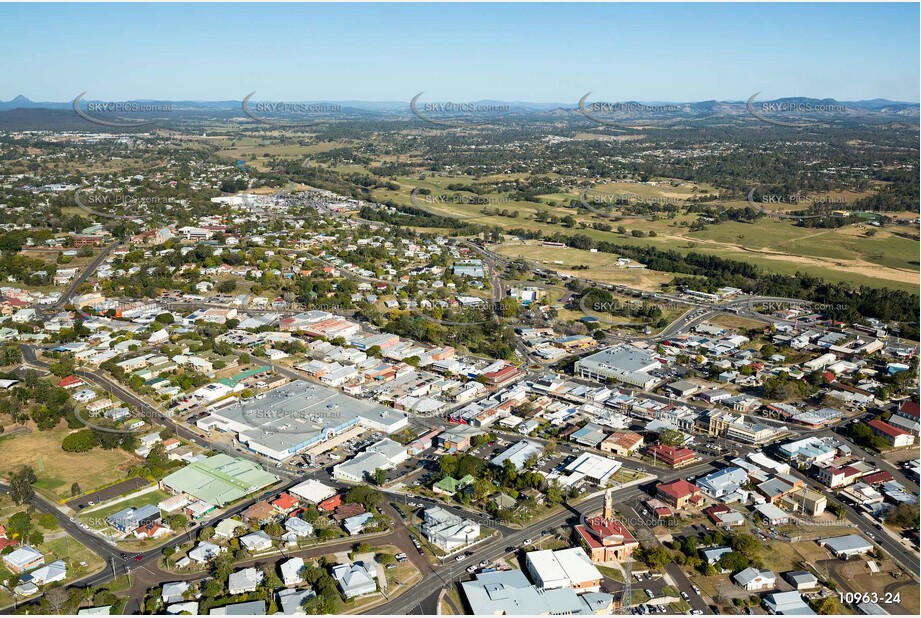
564 568
895 436
625 363
509 593
673 456
448 531
679 493
300 415
590 467
218 480
622 443
847 545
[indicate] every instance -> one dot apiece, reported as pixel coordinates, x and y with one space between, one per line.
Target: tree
364 495
734 561
826 606
48 521
75 489
21 485
655 557
379 477
745 544
20 524
79 441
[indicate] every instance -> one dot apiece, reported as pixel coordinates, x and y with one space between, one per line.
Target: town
388 354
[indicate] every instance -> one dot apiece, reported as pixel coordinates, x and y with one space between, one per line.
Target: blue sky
512 52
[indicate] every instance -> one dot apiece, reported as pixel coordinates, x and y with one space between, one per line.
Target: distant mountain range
21 113
23 102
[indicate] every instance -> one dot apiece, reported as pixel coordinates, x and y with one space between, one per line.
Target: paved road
454 571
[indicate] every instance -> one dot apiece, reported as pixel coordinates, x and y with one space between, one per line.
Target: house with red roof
330 504
70 382
892 434
285 503
679 493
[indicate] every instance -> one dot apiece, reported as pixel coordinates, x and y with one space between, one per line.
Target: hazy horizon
536 53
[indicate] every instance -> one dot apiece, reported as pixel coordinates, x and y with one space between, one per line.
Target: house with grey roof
291 571
245 580
787 604
205 551
173 592
256 541
355 579
132 518
753 579
290 601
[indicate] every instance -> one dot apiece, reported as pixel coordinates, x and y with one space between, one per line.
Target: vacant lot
56 469
602 266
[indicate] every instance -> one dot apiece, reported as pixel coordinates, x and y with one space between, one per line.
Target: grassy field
602 266
56 469
857 254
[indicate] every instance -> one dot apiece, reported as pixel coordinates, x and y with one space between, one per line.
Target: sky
545 53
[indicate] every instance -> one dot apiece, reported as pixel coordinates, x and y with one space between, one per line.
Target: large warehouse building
624 363
218 480
300 415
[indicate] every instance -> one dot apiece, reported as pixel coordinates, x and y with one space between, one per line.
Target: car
124 556
871 535
528 541
471 569
696 612
484 563
509 550
391 566
459 558
138 557
696 588
685 596
649 593
648 575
